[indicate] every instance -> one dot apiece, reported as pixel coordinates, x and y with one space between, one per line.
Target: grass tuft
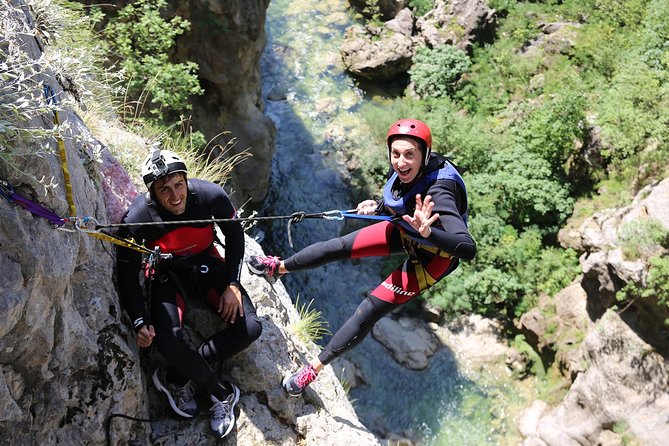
311 327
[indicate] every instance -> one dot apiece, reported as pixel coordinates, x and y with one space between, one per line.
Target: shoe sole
271 279
285 386
235 389
162 388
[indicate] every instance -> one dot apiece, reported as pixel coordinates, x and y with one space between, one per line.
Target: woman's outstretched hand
422 217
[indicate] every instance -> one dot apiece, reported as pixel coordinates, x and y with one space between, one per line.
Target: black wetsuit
428 261
199 269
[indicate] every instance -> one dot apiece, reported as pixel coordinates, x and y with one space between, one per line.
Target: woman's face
406 158
171 192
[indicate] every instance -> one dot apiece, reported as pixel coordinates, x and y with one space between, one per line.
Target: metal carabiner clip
81 222
333 215
7 191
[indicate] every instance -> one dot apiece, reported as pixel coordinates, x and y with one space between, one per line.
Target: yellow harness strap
410 246
66 171
118 241
424 279
80 223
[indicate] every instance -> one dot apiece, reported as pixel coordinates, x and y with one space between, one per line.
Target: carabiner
80 223
333 215
7 191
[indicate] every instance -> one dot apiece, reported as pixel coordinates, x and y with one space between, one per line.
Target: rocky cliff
614 355
68 360
384 52
226 40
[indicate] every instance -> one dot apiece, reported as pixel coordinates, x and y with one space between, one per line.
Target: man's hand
145 336
367 207
230 304
422 217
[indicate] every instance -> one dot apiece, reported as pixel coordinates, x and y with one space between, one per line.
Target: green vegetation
435 72
73 56
551 126
656 285
642 237
421 7
69 54
534 361
140 39
311 327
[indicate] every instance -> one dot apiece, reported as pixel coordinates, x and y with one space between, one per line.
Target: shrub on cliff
436 71
141 40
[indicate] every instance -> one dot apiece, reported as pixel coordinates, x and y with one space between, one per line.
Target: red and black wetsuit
428 261
198 269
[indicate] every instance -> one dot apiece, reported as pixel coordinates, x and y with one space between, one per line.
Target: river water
315 123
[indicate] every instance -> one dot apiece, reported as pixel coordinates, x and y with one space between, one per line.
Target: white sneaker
182 399
223 413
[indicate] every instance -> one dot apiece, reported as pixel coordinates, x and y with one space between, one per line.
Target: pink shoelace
272 262
306 376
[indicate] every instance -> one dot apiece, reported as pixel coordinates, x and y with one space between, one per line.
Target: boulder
457 22
385 52
408 340
619 371
377 53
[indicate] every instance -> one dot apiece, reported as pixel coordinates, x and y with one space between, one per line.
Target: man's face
406 158
171 192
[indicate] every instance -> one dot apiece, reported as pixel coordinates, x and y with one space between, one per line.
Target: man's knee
169 343
253 328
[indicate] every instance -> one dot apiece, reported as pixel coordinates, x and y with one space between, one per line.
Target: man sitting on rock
196 268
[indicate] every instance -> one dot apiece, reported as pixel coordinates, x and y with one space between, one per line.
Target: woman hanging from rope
197 269
427 198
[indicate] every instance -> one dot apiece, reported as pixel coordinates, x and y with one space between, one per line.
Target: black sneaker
265 266
223 412
298 381
182 399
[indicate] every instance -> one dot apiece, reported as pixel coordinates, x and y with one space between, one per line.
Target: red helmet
412 127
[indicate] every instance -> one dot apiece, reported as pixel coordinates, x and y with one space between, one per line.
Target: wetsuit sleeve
128 268
222 207
453 235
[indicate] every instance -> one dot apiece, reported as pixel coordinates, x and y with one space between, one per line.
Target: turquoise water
315 124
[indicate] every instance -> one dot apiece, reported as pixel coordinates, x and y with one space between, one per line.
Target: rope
51 98
120 415
9 193
296 217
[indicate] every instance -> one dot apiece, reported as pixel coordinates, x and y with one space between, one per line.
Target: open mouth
403 173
